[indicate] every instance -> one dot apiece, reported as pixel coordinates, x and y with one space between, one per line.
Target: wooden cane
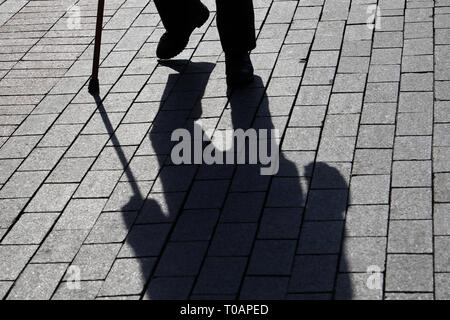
94 84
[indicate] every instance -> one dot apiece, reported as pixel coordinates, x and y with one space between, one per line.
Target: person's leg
175 13
180 18
236 25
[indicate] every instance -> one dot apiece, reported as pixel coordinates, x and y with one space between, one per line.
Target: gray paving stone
37 282
23 184
412 148
264 288
128 196
109 158
384 73
301 139
309 296
440 159
386 56
195 225
35 124
14 259
422 63
8 167
376 136
4 288
410 236
70 170
280 223
414 47
411 203
336 149
341 125
145 240
330 176
350 82
441 257
60 246
319 76
415 102
362 252
408 296
366 221
417 82
354 286
233 239
323 59
169 288
207 194
326 204
31 228
411 174
61 135
88 291
320 237
442 286
95 260
272 257
294 163
441 131
181 259
313 273
59 193
42 159
111 227
160 207
80 214
313 95
345 103
87 145
409 273
388 39
221 275
243 207
372 161
442 187
98 184
127 277
441 219
353 65
381 92
174 178
286 192
369 189
18 147
10 210
283 86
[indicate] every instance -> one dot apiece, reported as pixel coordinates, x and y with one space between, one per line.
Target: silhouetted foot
172 44
239 69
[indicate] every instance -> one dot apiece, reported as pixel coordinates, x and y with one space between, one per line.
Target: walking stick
94 84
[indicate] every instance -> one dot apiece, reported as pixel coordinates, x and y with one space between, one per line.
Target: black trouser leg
175 13
236 24
235 20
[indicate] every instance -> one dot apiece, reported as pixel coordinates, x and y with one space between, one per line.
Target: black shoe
172 44
239 69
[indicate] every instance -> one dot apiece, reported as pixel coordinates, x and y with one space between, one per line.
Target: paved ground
87 189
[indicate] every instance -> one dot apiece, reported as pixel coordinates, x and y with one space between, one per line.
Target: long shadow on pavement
226 231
